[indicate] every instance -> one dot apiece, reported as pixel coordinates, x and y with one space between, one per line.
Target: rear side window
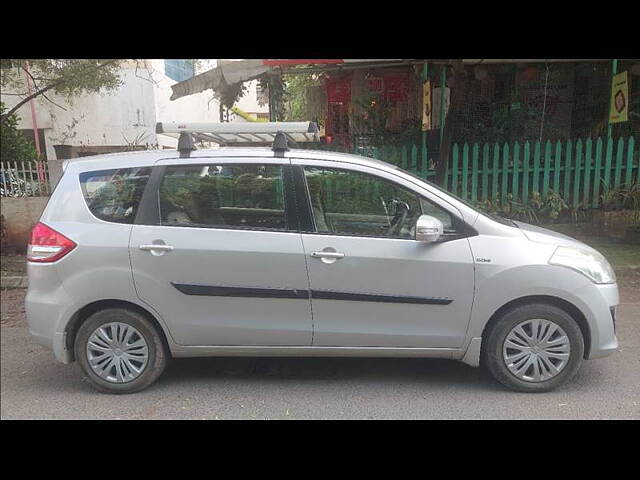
231 196
114 195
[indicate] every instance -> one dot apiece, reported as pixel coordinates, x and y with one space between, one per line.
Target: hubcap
536 350
117 352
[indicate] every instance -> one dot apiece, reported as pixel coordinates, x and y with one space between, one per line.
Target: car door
217 253
372 284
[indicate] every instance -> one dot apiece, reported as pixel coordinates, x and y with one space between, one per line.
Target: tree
458 81
14 147
67 78
296 88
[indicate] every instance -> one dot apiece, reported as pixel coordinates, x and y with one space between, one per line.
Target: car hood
544 235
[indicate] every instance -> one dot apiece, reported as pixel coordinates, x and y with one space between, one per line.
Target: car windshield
485 212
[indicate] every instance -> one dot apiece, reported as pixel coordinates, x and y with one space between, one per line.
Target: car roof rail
280 135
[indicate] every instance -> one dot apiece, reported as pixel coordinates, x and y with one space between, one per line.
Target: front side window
243 195
354 203
114 195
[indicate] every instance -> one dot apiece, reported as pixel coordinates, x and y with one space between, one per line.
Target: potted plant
62 148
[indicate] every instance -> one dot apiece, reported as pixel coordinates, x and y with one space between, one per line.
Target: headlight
590 264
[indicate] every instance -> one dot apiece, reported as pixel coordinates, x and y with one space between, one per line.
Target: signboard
619 110
426 106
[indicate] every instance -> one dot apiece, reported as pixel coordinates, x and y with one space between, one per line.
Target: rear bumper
46 304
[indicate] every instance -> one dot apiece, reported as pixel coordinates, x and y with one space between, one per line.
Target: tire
127 321
494 349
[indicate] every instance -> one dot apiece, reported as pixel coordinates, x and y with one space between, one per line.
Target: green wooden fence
579 170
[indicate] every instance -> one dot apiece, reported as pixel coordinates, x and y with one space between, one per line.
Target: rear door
216 251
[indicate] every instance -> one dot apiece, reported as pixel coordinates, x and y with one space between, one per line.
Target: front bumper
601 321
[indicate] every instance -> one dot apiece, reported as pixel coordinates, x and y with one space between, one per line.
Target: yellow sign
619 110
426 106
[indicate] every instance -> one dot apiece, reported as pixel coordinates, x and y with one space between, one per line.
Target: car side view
251 251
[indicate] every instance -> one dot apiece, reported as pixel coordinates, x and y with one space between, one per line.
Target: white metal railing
24 179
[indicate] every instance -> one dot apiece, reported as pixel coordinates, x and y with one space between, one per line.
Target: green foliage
230 95
539 209
296 93
624 196
14 147
503 123
71 77
276 88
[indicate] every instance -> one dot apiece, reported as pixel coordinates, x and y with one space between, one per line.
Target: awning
220 77
233 72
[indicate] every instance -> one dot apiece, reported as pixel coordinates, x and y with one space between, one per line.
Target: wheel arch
568 307
85 312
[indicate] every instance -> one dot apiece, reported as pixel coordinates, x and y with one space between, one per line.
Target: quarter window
114 195
244 196
354 203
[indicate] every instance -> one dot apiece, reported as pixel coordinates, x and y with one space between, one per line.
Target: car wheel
120 351
533 348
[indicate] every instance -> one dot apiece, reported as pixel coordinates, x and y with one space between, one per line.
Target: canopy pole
425 77
443 82
614 70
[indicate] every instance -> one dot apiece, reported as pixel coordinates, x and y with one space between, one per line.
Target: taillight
47 245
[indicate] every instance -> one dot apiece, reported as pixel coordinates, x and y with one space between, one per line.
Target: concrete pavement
34 385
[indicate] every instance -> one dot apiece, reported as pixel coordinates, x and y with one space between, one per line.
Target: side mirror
428 229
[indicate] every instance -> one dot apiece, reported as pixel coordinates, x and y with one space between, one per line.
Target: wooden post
443 81
614 70
424 165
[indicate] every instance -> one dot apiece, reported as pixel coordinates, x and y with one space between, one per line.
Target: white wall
129 112
109 118
201 107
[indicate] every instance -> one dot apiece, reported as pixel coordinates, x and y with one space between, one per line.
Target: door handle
327 255
156 247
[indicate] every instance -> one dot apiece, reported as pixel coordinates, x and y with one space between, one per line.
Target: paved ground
35 386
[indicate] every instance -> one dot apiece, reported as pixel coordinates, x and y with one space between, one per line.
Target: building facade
125 119
95 123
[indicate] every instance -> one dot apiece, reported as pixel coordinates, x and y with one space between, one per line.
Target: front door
371 283
222 264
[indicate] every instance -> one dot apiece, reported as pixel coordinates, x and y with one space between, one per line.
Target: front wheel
534 348
120 351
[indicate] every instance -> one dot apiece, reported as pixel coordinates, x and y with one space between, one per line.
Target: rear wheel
120 351
534 348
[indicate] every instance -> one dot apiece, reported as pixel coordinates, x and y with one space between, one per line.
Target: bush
14 147
539 208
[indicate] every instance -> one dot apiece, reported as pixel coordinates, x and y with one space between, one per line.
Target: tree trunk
456 101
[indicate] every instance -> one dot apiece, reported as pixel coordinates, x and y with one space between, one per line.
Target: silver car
141 257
